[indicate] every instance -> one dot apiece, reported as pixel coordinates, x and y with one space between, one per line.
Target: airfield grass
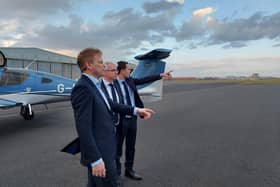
273 81
262 82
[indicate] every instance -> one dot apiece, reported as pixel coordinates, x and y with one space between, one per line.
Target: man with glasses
108 87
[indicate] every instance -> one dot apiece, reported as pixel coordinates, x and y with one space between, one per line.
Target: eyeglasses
112 70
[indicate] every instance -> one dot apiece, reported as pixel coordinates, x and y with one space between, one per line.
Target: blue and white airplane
23 87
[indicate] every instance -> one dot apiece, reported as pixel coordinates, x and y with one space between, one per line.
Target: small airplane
22 87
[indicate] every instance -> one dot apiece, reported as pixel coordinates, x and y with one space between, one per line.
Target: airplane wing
8 104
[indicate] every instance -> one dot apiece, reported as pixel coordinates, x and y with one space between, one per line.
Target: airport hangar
41 60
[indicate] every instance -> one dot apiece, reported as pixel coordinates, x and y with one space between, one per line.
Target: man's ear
88 64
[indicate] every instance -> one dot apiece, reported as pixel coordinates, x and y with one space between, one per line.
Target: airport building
41 60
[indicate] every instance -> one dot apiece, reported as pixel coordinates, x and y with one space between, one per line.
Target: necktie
128 101
113 92
115 115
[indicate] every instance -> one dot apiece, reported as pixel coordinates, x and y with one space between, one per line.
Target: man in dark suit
108 87
94 121
127 128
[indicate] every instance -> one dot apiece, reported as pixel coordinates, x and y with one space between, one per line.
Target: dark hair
86 55
121 65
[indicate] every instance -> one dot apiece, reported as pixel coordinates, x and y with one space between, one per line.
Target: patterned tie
128 101
115 115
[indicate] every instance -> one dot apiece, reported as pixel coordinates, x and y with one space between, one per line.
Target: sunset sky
208 38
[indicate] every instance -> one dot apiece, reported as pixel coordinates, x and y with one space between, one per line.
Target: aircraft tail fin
151 64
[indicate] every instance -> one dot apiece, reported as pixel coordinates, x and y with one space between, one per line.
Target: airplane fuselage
23 87
33 87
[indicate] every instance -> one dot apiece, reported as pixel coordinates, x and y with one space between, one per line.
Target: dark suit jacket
132 83
94 123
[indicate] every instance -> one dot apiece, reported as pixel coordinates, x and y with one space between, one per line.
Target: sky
207 37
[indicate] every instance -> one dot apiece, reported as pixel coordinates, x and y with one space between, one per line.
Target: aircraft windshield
10 77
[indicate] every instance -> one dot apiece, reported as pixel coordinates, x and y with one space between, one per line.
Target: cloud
8 26
196 27
22 19
131 28
276 45
121 31
235 44
33 9
255 27
177 1
203 12
190 30
160 6
11 32
207 30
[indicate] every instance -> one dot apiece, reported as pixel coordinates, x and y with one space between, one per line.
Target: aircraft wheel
24 111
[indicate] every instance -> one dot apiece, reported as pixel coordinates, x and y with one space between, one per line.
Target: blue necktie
113 92
115 115
128 101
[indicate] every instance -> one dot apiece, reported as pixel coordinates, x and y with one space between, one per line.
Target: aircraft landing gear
26 112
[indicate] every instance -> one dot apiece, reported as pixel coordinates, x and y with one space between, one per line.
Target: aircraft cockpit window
10 78
45 80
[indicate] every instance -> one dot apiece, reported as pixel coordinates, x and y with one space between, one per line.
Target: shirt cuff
96 162
135 111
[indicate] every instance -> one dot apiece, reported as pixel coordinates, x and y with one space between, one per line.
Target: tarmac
202 135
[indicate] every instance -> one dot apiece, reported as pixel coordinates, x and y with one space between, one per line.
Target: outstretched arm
152 78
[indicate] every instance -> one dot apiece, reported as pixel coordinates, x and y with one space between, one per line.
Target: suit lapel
119 91
95 89
131 84
137 99
104 89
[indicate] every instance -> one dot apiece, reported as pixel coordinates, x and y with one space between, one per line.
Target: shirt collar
106 82
93 79
121 80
